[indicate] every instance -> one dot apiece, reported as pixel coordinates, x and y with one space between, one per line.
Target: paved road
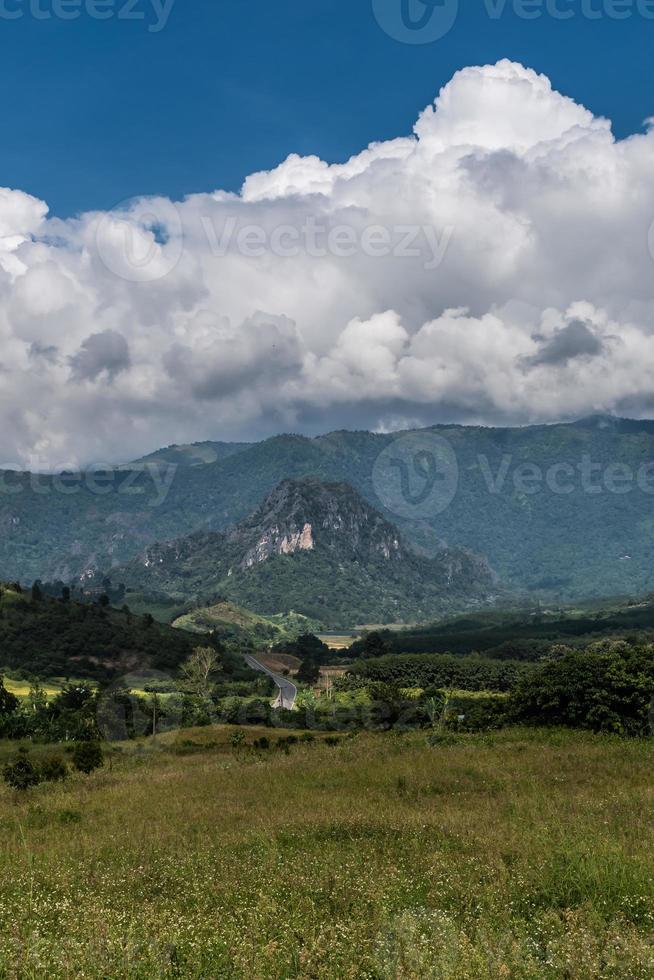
287 689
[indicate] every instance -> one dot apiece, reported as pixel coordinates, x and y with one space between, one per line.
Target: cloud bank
495 266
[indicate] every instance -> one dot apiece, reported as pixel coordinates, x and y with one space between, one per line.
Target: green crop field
22 688
521 854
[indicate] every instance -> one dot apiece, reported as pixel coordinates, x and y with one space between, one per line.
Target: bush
21 774
262 743
236 739
53 769
87 756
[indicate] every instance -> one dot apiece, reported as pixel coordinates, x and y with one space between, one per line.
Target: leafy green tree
22 773
8 701
607 687
374 645
309 672
88 756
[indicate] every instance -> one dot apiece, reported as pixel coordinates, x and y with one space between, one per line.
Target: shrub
21 774
237 739
87 756
53 769
262 743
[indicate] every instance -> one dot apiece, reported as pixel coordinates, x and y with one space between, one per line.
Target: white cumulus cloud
493 266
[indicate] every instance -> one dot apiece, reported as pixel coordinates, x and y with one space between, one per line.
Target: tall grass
521 855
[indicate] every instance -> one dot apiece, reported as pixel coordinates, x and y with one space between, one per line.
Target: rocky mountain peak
309 514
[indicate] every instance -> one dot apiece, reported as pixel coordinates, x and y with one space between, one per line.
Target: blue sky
98 111
497 267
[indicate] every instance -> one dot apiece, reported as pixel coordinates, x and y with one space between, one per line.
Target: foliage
8 701
236 739
356 568
524 634
53 769
608 687
235 626
51 638
21 774
199 671
87 756
435 670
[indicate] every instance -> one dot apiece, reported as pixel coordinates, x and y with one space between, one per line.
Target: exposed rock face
304 515
273 542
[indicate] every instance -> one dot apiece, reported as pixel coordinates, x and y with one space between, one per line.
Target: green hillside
233 624
318 549
52 638
594 540
521 634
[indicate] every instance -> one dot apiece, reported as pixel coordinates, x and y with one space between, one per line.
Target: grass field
22 688
517 855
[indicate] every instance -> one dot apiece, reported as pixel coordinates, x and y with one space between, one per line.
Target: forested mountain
317 549
560 510
62 638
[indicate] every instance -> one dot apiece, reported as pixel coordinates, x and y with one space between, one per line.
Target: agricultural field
523 853
21 689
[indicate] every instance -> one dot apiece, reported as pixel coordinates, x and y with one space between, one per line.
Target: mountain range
561 511
317 549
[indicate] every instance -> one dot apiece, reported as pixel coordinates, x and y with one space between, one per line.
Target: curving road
287 689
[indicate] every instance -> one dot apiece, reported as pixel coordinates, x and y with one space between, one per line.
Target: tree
37 699
21 774
608 687
8 701
37 593
309 672
374 645
88 756
65 594
199 670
